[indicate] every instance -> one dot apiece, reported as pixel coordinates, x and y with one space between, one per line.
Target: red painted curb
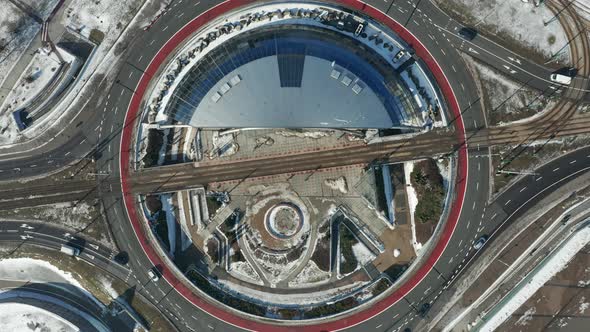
226 316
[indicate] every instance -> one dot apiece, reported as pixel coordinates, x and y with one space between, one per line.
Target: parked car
399 55
467 33
480 242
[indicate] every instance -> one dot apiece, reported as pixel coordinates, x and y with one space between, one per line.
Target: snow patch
23 317
338 184
362 254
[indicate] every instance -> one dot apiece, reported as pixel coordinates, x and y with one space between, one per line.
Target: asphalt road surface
471 224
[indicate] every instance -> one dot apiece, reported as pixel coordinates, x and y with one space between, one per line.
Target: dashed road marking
573 162
523 189
508 201
539 178
555 170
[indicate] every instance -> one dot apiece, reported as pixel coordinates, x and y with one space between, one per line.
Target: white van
69 250
561 79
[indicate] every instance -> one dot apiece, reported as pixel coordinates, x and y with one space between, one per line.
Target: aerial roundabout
283 233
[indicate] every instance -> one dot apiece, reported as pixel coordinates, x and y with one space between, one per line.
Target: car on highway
562 79
69 250
480 242
153 275
424 310
467 33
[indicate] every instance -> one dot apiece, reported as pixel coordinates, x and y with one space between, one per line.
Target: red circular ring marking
226 316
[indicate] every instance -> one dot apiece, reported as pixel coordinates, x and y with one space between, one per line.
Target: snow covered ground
245 271
292 299
517 19
311 274
41 8
35 78
17 31
412 202
23 317
362 254
35 270
536 279
583 8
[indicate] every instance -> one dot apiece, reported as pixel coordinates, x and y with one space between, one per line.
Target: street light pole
557 14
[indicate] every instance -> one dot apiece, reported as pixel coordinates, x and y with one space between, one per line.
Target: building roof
292 78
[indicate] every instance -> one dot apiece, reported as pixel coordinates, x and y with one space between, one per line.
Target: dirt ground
562 304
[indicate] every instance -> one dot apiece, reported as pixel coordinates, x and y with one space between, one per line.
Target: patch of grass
347 241
161 229
96 36
428 183
331 309
381 286
155 139
321 255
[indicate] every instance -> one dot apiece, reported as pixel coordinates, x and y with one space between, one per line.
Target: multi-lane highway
437 32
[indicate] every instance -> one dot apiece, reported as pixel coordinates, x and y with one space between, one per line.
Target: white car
153 275
399 55
480 242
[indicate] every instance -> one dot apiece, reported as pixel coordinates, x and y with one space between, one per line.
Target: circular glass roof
290 76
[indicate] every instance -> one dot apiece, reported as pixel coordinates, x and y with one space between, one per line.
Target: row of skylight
346 79
226 87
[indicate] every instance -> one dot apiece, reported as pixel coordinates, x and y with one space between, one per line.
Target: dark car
121 258
467 33
424 310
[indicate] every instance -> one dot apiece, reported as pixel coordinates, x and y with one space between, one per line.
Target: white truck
69 250
561 79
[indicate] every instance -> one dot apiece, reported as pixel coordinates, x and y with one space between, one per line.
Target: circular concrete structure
242 320
284 220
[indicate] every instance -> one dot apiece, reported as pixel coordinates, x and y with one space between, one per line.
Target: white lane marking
180 15
474 123
508 201
555 170
165 28
197 3
523 189
33 166
378 326
140 57
443 52
468 223
479 166
539 178
152 42
109 96
573 162
130 74
67 153
494 216
116 109
477 186
473 208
